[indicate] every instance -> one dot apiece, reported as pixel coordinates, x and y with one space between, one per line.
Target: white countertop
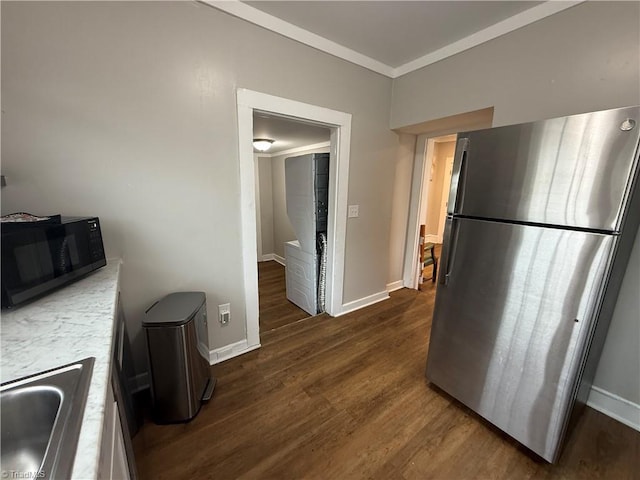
68 325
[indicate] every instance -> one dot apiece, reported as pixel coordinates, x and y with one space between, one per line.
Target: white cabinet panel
106 446
119 466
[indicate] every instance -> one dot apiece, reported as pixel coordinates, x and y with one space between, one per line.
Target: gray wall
619 368
128 111
282 229
265 203
582 59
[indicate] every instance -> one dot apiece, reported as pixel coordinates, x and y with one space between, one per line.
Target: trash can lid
174 310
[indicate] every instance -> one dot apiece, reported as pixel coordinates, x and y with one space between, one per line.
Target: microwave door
33 262
67 255
36 259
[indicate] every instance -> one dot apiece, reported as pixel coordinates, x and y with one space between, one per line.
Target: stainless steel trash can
180 378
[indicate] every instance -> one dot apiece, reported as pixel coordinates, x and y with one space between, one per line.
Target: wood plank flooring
275 310
346 398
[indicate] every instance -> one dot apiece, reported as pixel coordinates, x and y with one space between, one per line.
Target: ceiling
389 37
392 37
287 134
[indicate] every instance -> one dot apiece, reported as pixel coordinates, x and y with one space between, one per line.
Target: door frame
417 203
339 123
454 124
446 188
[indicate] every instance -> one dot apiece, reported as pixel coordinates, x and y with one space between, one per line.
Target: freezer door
512 322
571 171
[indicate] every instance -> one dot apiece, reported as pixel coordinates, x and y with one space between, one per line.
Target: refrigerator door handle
448 249
456 193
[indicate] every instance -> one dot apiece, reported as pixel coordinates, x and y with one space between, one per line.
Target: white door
446 186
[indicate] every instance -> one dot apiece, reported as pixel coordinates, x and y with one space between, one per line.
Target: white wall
441 152
583 59
128 111
265 203
400 206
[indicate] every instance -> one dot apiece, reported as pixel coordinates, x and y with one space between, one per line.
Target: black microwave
39 257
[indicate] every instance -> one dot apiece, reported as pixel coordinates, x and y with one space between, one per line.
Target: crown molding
315 146
496 30
289 30
277 25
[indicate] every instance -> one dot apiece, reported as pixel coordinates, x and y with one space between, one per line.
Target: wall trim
363 302
616 407
418 199
393 286
289 30
220 354
141 381
496 30
315 146
275 257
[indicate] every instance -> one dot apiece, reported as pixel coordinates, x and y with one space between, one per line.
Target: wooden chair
427 258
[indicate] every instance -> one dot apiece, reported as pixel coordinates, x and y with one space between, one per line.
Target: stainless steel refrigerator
541 220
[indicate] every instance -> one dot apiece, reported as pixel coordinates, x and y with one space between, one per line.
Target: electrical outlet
354 211
224 313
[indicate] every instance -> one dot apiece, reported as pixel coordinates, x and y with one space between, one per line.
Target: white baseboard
230 351
273 256
393 286
141 381
363 302
615 407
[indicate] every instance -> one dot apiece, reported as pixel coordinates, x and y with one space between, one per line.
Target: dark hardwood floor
275 310
346 398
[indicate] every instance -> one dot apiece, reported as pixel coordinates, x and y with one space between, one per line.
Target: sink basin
41 417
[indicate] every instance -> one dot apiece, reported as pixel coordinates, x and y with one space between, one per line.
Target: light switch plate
354 211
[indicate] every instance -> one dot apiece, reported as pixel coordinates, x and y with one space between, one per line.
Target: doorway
278 304
432 179
435 188
339 125
418 197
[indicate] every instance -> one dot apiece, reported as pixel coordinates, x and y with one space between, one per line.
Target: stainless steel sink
41 418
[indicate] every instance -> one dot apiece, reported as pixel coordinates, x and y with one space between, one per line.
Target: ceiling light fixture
262 144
